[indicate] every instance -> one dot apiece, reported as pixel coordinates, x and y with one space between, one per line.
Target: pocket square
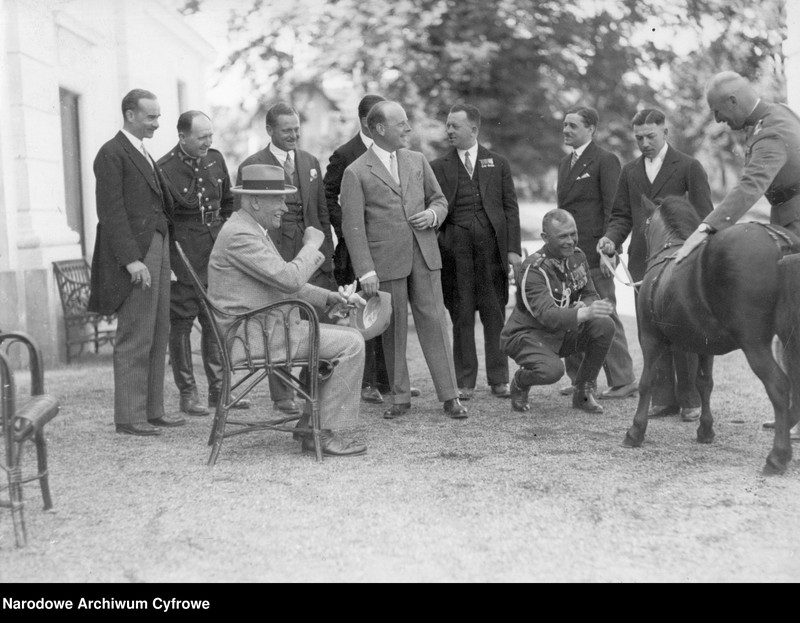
584 176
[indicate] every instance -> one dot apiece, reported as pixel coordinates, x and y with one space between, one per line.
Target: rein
605 259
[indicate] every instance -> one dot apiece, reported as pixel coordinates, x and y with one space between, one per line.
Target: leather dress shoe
191 406
385 389
244 403
167 422
621 391
583 398
690 414
333 445
500 390
455 409
144 430
465 393
770 424
372 395
397 410
287 406
663 410
567 390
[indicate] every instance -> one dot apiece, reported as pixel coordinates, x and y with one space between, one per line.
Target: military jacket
772 168
201 187
548 292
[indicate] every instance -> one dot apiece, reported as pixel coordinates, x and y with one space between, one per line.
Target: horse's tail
787 323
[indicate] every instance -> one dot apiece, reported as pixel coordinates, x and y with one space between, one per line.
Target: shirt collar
278 153
659 157
367 140
581 149
383 155
473 154
136 142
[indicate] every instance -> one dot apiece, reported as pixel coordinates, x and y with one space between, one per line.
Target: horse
738 290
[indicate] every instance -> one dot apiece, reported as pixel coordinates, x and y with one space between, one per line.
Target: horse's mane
679 216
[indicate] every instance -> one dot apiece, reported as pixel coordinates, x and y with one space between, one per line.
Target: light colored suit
315 209
375 213
245 271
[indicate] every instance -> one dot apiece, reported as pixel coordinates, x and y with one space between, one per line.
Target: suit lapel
140 161
304 179
586 158
641 179
451 174
377 169
483 173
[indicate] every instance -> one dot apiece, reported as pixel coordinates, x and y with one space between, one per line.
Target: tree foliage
522 62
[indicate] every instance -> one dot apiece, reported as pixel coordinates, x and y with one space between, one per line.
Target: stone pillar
33 210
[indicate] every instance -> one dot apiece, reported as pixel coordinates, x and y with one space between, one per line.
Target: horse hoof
705 437
773 468
632 442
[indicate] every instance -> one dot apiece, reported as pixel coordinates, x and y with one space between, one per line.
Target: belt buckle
209 217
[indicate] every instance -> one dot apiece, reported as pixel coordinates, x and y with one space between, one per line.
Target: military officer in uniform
201 188
772 157
772 162
557 314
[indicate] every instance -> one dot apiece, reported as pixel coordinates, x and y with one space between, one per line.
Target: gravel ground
549 496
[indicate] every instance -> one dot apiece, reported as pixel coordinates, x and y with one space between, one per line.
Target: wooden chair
81 327
244 348
20 424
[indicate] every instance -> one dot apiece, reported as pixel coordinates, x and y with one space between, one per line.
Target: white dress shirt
653 166
139 145
280 154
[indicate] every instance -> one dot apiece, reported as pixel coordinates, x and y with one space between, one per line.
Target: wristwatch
706 228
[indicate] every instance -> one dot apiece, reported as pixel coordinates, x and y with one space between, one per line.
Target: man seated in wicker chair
246 271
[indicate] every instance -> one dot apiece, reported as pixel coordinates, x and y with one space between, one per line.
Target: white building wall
99 49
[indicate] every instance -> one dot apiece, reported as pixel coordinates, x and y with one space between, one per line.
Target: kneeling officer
557 313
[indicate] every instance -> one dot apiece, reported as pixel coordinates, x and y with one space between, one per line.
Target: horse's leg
705 383
653 349
760 358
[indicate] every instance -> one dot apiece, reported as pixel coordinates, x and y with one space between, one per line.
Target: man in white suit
246 271
391 206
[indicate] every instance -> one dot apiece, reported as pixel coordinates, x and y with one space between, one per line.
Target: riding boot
583 398
180 356
519 394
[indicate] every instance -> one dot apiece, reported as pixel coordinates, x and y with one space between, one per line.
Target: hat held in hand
372 319
263 179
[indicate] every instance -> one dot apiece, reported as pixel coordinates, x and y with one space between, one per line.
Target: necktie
288 165
146 155
393 167
574 159
468 163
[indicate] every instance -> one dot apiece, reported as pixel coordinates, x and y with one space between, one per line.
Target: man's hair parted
649 115
131 99
275 111
589 115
